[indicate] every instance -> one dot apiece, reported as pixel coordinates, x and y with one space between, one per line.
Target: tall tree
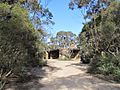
39 14
107 60
64 39
20 42
92 9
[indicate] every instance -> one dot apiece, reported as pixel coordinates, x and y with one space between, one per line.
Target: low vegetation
100 41
22 37
21 45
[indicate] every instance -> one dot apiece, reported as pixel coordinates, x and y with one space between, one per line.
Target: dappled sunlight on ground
64 75
73 76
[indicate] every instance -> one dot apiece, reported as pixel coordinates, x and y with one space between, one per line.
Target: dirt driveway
64 75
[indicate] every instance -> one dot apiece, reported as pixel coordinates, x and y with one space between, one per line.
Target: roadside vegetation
21 42
100 36
22 37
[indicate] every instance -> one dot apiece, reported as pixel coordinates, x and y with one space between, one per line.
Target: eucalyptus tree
39 14
66 38
20 36
106 22
92 8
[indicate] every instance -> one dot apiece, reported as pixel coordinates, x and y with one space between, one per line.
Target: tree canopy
91 6
21 36
64 39
38 13
103 32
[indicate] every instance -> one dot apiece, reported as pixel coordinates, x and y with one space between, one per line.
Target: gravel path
64 75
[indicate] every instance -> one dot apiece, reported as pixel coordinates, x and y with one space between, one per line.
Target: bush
107 64
19 42
18 39
103 42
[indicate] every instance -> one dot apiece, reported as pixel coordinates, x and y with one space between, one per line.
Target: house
63 53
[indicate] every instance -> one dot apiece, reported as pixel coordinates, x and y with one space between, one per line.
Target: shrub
107 64
19 42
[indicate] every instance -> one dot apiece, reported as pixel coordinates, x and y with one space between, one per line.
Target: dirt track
64 75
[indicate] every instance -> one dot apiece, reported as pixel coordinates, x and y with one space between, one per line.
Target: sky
65 19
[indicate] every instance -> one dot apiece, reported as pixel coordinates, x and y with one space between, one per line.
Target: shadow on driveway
80 82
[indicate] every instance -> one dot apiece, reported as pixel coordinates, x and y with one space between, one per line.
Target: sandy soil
63 75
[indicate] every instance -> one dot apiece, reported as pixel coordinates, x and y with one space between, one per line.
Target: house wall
63 54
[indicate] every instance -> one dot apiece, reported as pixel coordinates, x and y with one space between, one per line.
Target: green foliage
91 7
17 35
42 62
100 41
63 39
109 65
38 13
19 42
